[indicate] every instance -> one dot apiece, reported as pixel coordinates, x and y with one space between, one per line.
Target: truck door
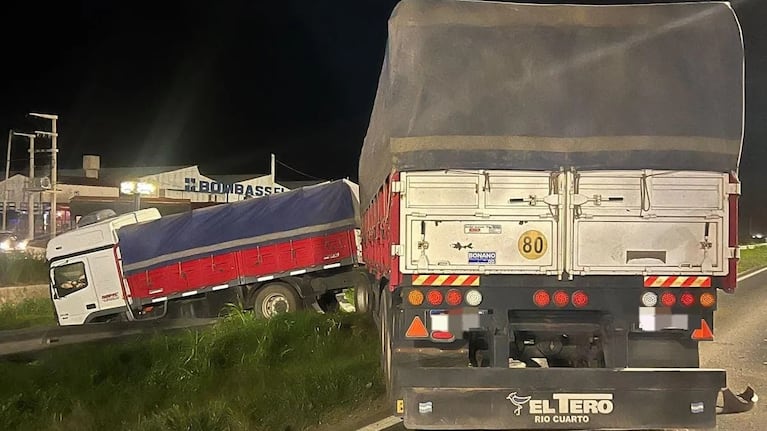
647 222
73 292
565 223
463 222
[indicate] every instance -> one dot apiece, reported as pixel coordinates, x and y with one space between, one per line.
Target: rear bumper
558 398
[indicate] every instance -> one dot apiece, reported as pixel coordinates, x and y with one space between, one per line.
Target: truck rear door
564 223
648 222
480 222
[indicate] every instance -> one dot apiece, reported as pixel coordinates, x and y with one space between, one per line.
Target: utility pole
31 197
274 166
54 157
5 184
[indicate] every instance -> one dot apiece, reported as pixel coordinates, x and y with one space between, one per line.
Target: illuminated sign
202 186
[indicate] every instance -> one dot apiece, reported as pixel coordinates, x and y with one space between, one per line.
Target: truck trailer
273 254
549 201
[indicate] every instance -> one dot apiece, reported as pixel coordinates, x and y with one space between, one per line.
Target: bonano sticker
482 257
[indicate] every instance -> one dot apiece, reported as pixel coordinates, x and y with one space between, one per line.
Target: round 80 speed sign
532 245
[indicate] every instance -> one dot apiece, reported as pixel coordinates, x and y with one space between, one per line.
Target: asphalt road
740 347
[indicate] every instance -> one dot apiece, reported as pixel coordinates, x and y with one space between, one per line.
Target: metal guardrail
36 339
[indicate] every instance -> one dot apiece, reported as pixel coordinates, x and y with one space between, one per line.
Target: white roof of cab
96 235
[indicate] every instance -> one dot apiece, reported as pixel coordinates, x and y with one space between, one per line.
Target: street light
137 189
31 199
54 150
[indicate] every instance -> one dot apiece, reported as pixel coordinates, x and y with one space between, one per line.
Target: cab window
70 278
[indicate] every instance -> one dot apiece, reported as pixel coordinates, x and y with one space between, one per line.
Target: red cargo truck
274 254
549 199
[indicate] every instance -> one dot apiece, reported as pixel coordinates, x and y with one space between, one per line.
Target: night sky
222 84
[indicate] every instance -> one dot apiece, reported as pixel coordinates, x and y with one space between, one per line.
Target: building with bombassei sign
92 188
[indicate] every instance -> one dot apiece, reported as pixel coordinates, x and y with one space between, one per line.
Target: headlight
21 245
5 245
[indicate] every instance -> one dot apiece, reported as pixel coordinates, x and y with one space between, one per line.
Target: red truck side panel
380 230
226 268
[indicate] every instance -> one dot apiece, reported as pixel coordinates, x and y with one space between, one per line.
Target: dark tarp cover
300 213
486 85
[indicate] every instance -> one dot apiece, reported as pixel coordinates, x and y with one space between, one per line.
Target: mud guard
739 403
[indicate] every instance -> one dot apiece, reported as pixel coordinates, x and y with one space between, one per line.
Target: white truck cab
85 277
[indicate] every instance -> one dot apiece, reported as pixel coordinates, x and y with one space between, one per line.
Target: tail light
580 299
649 299
707 300
434 297
687 299
454 297
541 298
561 298
415 297
668 299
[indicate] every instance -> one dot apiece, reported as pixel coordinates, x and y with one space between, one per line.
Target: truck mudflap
742 402
562 398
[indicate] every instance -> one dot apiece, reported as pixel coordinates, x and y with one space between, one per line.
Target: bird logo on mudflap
518 402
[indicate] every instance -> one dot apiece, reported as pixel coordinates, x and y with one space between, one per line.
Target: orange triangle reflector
704 332
417 329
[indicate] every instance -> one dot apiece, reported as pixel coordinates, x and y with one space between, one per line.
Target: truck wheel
274 299
362 296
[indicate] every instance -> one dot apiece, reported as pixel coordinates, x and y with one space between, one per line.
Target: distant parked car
9 242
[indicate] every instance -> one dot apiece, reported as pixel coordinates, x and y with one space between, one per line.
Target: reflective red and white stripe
445 280
676 281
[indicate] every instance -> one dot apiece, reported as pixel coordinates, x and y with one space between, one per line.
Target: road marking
382 424
751 274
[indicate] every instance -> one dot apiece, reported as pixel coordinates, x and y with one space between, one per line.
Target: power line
299 172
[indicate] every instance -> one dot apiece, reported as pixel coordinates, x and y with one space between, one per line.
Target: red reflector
454 297
434 297
441 335
561 298
704 332
580 299
687 299
668 299
417 329
541 298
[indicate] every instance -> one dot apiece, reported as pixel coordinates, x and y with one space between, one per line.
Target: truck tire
275 298
362 297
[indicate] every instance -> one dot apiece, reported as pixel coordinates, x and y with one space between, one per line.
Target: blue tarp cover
300 213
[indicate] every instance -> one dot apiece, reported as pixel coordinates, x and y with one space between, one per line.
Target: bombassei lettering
202 186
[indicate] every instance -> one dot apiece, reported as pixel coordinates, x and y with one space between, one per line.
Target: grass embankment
752 258
25 314
21 268
289 373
